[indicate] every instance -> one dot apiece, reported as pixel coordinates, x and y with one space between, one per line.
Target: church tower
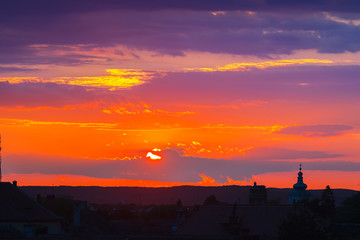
299 192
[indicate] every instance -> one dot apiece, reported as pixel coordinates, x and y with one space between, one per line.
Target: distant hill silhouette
189 195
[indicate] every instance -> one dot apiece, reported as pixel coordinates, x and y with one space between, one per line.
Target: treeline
320 219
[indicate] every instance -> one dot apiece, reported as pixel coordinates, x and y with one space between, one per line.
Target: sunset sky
170 92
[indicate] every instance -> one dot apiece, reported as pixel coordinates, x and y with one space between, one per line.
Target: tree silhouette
327 203
349 211
211 200
302 224
179 203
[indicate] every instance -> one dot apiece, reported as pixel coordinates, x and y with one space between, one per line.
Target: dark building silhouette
299 192
235 222
257 194
22 215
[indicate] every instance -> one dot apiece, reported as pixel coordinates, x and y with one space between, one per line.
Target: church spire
300 182
299 192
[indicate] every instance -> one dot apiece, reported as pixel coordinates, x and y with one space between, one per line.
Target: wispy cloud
22 93
117 79
354 22
26 122
5 69
288 154
141 108
315 130
246 66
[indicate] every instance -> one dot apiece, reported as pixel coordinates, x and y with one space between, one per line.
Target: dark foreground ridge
176 213
189 195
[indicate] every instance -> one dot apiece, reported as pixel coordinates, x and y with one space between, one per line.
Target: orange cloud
25 109
270 129
238 67
314 180
239 182
65 107
211 151
129 138
206 180
141 108
36 179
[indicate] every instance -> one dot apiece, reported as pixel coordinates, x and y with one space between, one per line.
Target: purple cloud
167 27
173 166
267 85
16 69
224 87
316 130
68 6
31 94
282 153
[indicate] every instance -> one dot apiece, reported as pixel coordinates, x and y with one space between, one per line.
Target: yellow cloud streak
117 79
128 78
259 65
268 129
26 122
142 108
115 126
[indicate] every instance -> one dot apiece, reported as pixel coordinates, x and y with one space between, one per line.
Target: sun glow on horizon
153 156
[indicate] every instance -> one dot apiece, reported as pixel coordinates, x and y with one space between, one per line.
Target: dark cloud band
173 167
66 6
316 130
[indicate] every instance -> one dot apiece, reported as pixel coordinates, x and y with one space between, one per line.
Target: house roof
258 219
16 206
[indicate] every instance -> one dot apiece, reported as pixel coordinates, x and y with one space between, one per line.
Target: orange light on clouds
206 180
141 108
128 78
314 180
36 179
216 13
117 79
27 123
